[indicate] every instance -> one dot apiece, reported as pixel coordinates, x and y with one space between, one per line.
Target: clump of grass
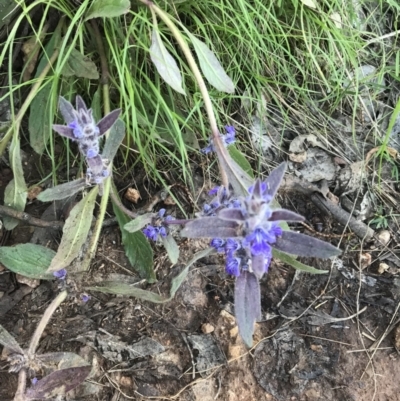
294 56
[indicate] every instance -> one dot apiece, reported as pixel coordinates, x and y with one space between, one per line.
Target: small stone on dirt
31 282
207 328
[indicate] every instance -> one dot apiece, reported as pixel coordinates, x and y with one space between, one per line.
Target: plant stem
14 128
107 182
198 77
44 322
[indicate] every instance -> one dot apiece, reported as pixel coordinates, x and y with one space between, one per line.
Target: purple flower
151 232
60 274
227 139
218 244
232 265
34 380
85 298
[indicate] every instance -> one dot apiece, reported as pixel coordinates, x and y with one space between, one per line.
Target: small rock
132 195
383 237
30 282
365 260
207 328
383 267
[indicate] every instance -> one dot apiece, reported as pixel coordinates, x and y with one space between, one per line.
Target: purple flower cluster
158 228
258 233
82 128
227 139
246 229
221 200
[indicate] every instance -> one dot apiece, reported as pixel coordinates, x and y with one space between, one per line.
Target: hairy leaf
8 341
165 63
108 121
210 227
241 160
39 120
29 260
231 215
274 179
171 247
139 222
41 111
304 245
61 360
66 110
108 8
75 231
16 191
211 67
79 65
290 260
137 248
285 215
62 191
58 382
247 305
114 140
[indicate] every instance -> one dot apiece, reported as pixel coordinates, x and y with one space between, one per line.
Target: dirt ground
311 345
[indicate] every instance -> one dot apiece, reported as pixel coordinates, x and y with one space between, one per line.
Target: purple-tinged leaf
108 121
171 247
285 215
274 179
210 227
67 110
58 382
304 245
165 63
8 341
211 67
80 104
247 305
258 265
231 214
63 130
114 140
62 191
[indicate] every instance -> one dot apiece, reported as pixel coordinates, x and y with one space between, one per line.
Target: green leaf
241 160
108 8
39 120
96 105
165 63
172 248
211 67
114 287
80 66
114 140
8 9
16 191
139 222
75 231
178 280
29 260
137 248
62 191
290 260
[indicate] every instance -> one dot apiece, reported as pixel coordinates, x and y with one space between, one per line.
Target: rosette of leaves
247 229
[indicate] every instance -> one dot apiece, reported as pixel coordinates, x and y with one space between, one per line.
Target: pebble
207 328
